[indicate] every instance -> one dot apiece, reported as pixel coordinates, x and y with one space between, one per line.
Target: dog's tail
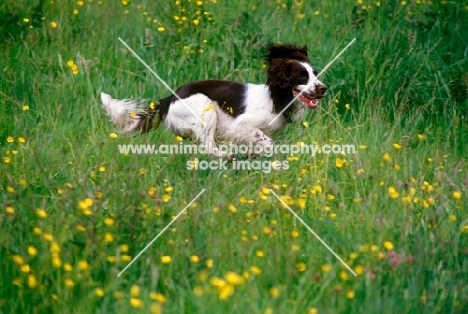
132 115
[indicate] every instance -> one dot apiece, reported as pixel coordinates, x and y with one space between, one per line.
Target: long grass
74 212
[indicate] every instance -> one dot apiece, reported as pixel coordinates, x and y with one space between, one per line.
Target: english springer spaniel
214 111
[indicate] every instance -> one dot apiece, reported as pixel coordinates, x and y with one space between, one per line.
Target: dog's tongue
309 102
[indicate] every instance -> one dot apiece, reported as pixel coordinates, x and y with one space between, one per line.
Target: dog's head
289 67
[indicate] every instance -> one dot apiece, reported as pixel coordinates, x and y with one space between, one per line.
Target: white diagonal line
312 231
160 79
162 231
318 75
334 59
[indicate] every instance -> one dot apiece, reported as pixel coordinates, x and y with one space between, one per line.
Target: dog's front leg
246 134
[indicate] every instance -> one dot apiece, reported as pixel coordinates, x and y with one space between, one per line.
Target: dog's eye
303 74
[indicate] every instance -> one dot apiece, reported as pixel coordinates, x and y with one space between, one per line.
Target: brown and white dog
213 111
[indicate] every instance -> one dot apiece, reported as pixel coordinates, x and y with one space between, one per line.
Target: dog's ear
279 73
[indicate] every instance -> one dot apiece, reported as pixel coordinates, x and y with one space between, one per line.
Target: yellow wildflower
358 270
32 281
67 267
48 237
41 213
339 162
343 275
255 270
136 303
18 259
326 268
83 265
69 282
388 245
10 209
32 251
198 291
135 290
226 291
393 193
166 259
274 292
301 203
301 266
217 282
312 310
108 237
234 279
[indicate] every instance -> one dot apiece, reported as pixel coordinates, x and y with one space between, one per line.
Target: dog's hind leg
200 123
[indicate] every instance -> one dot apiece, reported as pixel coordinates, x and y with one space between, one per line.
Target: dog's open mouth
308 100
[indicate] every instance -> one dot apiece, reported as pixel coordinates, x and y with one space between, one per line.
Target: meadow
74 211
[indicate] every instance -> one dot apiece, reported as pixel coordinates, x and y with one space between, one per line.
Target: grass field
74 212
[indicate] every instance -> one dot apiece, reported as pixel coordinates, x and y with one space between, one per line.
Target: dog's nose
322 89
